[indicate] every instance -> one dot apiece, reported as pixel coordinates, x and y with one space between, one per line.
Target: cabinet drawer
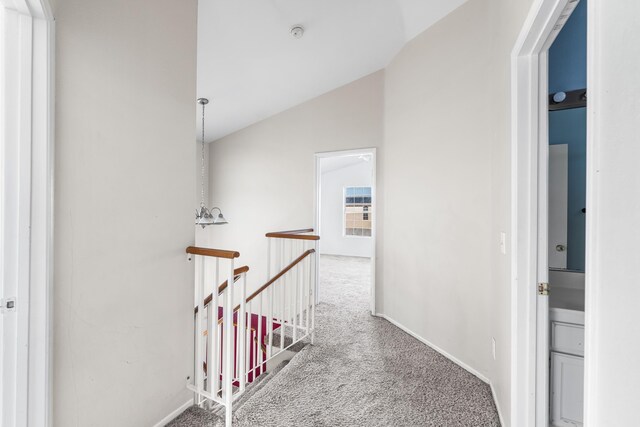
567 338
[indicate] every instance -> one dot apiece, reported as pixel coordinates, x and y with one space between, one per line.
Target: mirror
567 188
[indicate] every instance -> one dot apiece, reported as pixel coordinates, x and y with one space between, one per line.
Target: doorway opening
566 183
345 219
549 216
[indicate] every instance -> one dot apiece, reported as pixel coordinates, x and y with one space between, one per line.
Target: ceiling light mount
297 31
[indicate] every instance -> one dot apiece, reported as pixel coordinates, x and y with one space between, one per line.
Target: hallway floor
364 371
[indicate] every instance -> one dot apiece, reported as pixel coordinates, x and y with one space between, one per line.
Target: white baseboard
436 348
496 402
450 357
166 420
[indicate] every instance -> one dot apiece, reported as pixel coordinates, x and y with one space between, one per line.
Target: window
357 211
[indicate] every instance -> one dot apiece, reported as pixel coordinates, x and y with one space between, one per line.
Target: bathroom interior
567 214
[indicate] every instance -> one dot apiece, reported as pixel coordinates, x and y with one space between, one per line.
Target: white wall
263 177
613 278
124 206
333 241
447 137
440 117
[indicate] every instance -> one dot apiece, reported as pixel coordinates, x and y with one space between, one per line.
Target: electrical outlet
493 348
503 243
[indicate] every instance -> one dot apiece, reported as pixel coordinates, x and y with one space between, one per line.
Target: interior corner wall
263 176
447 156
334 241
124 206
439 115
613 203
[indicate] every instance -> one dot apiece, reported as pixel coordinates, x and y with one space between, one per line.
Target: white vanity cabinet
567 367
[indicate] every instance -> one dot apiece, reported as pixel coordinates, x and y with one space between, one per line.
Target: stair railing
218 347
234 343
283 248
284 307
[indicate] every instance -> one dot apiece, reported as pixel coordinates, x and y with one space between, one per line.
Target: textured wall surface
124 200
440 117
447 149
263 177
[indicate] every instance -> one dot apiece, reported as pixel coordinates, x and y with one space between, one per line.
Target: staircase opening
239 334
345 218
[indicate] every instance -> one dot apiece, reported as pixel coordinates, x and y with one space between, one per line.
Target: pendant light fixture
204 216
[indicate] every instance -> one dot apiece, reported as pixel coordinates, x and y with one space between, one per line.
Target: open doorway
567 163
549 216
345 219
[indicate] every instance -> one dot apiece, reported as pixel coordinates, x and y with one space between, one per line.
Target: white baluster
270 320
209 311
301 287
228 358
285 281
242 330
220 354
282 304
254 352
268 259
259 337
296 283
313 297
217 272
196 398
281 285
207 353
308 293
199 374
214 339
247 338
292 284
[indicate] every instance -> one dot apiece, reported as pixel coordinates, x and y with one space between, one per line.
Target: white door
542 299
26 143
558 201
567 389
15 210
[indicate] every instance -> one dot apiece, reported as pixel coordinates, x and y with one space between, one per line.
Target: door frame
26 211
529 161
374 205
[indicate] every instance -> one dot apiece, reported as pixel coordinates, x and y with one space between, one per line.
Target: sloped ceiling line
251 68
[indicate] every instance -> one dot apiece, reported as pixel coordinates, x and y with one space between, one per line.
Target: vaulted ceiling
251 67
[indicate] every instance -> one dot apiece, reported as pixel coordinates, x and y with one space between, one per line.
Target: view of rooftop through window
357 211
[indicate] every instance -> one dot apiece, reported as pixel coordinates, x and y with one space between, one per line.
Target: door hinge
543 289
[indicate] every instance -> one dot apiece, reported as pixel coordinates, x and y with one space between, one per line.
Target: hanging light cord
202 201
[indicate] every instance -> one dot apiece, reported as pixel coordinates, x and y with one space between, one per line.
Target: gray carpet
197 417
362 371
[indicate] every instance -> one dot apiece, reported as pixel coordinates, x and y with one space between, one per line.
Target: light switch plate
493 348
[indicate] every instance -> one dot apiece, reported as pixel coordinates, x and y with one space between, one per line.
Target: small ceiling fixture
297 31
205 216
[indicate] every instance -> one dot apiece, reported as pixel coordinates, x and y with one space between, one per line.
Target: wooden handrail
218 253
236 275
302 230
277 276
289 235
